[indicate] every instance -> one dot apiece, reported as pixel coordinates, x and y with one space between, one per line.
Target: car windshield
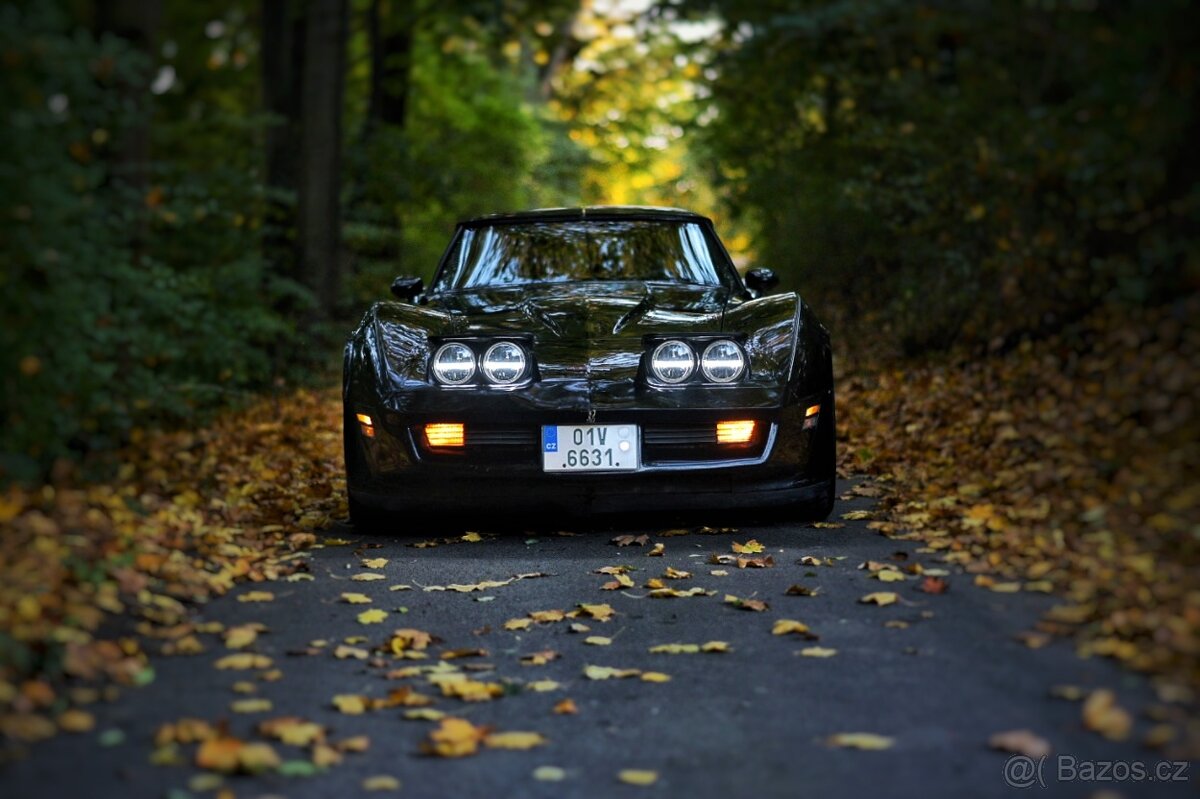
514 254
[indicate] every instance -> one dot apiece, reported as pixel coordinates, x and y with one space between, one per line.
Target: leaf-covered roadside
191 513
1067 465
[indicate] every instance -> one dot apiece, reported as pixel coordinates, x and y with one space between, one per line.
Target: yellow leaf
351 704
715 646
817 652
860 740
241 636
880 598
655 676
598 612
751 547
244 660
566 707
518 624
514 740
541 686
1102 714
597 640
633 776
372 616
374 563
657 551
787 626
356 599
257 705
424 714
366 577
549 774
455 737
256 596
608 672
75 720
381 782
675 649
472 538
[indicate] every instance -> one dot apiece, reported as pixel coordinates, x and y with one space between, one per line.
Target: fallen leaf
351 704
634 776
657 551
256 705
860 740
424 714
566 707
791 626
608 673
597 640
514 740
1102 714
356 599
455 737
629 540
549 774
800 590
880 598
539 658
933 585
381 782
598 612
257 596
817 652
367 577
856 515
518 624
343 652
889 576
676 574
655 676
372 616
756 605
1021 742
292 730
751 547
374 563
243 661
76 720
542 686
241 636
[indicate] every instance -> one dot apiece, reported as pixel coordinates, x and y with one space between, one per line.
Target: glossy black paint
407 288
589 342
761 280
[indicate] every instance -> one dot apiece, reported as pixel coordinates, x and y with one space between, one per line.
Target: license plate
590 448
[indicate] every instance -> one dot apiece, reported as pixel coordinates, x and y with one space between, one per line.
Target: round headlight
722 362
673 361
503 363
454 364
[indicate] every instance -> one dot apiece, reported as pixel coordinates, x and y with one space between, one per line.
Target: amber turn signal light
445 434
812 410
735 432
365 425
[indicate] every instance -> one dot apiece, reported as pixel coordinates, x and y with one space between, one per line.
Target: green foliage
121 307
472 144
964 171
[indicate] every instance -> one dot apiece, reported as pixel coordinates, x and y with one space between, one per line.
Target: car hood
591 310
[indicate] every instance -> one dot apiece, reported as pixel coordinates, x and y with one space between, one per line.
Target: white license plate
590 448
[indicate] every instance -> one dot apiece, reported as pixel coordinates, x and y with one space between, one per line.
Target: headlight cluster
674 362
502 364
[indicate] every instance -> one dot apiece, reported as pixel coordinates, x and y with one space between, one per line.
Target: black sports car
606 358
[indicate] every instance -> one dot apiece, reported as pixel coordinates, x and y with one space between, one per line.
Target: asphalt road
751 722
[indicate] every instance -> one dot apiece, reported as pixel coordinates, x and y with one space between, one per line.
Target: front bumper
393 471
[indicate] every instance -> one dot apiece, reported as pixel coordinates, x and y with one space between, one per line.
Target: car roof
600 212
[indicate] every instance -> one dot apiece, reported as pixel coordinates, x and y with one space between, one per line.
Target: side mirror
407 288
761 281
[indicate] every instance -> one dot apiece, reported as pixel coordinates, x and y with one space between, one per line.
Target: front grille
679 435
683 443
661 444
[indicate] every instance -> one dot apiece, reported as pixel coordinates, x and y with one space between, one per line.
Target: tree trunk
282 63
319 221
137 22
390 29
